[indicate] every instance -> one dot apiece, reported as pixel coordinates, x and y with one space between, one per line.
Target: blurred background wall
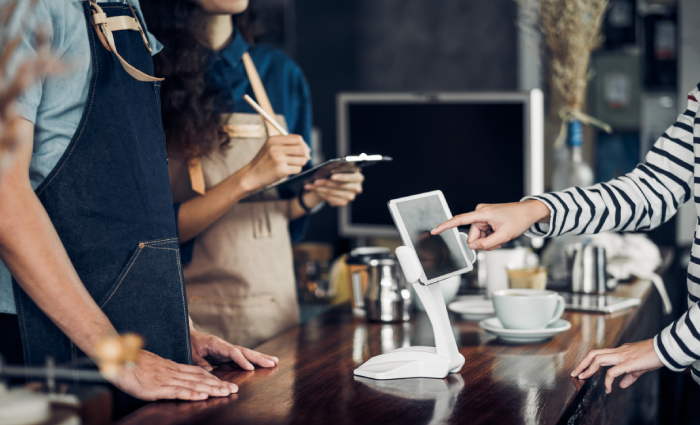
390 45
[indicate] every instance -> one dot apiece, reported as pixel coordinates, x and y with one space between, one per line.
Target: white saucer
474 307
523 336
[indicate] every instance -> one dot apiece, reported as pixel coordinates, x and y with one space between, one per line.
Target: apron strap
259 91
105 26
194 164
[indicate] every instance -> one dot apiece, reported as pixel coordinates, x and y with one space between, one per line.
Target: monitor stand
419 362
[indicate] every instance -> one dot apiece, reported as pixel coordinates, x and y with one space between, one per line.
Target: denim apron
109 199
240 283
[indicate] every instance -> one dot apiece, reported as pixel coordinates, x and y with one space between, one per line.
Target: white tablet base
419 362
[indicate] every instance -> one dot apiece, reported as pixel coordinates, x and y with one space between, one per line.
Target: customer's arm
640 200
34 254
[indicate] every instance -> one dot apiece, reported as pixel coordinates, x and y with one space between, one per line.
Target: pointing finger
460 220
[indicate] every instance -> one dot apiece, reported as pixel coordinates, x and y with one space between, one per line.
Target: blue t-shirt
55 105
286 88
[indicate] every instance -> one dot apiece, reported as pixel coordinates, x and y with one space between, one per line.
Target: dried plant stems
571 30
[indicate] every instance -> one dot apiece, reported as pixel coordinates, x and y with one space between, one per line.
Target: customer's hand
630 360
206 346
496 224
156 378
338 191
279 157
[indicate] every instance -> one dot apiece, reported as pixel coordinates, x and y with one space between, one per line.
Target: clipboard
295 184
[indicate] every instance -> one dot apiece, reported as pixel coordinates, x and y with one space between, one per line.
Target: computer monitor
475 147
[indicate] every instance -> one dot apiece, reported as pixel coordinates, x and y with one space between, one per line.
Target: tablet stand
419 362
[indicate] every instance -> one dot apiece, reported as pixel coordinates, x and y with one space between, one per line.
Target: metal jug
387 298
586 264
358 263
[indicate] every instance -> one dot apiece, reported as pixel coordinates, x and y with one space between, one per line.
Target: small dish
474 307
523 336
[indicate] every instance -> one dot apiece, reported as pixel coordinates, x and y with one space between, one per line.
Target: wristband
308 210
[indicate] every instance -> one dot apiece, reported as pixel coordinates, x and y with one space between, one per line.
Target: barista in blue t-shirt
88 238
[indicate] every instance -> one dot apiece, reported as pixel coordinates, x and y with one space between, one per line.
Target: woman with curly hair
238 260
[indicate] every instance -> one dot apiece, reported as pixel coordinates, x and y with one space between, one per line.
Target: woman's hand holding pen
338 191
280 157
495 224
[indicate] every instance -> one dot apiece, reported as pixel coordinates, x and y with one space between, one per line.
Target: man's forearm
34 254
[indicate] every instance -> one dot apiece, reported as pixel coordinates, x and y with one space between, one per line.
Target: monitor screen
439 255
472 151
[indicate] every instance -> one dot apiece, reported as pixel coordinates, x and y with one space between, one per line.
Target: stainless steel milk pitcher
387 299
586 264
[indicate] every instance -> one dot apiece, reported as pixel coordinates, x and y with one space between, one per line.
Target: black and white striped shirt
643 200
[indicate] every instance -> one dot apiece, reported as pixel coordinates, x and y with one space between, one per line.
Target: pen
265 115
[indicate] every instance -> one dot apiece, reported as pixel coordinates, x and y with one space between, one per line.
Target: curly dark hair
191 109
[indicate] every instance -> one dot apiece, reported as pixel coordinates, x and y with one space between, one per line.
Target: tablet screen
438 254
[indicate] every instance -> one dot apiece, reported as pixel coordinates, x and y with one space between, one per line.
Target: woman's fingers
599 361
355 186
292 169
345 195
630 379
348 177
613 373
459 220
474 234
297 150
338 199
586 361
296 161
489 243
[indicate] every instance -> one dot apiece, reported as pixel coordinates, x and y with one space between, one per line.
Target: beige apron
240 283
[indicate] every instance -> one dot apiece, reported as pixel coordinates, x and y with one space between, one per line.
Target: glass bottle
570 169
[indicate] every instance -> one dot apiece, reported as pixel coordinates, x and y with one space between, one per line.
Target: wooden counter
499 383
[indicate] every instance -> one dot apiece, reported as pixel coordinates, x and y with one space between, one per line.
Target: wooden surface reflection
499 383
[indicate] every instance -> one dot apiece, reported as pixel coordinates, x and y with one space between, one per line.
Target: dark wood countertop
499 383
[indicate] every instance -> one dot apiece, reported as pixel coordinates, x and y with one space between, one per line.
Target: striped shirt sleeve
640 200
678 346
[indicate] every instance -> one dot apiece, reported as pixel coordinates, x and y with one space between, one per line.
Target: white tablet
441 256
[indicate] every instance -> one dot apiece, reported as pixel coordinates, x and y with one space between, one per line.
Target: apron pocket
148 298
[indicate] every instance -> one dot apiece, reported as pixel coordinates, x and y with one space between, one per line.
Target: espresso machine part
387 298
358 266
586 265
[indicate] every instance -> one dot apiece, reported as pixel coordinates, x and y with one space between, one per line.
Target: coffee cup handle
561 304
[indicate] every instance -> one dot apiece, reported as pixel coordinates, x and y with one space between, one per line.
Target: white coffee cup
527 308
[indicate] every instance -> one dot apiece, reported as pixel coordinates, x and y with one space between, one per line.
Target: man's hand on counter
156 378
630 360
206 346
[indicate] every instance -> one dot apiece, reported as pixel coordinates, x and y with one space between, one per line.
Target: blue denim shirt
55 105
285 86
